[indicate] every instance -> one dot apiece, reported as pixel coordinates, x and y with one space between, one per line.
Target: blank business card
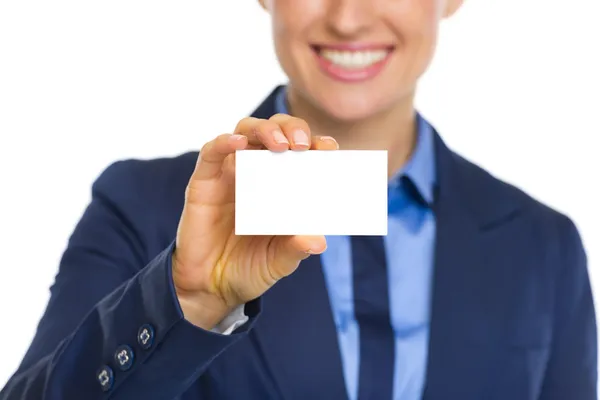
341 192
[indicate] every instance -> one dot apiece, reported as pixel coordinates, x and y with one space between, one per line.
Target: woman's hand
214 270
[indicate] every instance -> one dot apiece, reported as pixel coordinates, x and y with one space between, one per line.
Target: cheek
293 22
416 24
291 18
416 21
284 37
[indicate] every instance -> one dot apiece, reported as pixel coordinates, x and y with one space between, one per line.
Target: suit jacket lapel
267 108
300 336
467 207
469 204
302 344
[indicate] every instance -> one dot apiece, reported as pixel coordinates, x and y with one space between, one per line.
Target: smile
352 63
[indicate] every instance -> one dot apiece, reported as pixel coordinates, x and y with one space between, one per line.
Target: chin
349 108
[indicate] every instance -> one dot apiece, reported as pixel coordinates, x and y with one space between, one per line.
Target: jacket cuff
149 347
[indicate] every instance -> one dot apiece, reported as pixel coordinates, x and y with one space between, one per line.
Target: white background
514 87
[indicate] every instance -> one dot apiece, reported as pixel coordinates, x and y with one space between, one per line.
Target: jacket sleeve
572 367
113 328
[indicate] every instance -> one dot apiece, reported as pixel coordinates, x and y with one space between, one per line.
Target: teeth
354 59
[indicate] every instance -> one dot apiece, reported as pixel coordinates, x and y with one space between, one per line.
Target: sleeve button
124 357
145 336
105 377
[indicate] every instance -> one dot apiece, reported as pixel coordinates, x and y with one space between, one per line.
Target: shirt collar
420 168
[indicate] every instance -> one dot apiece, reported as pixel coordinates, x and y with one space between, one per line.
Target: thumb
288 251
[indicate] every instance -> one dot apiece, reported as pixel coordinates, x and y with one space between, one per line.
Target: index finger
213 154
263 132
295 129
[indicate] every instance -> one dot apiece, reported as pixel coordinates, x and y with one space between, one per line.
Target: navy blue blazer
512 310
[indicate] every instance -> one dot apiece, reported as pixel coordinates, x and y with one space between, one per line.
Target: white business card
315 192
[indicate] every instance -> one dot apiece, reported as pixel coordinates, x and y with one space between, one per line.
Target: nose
348 18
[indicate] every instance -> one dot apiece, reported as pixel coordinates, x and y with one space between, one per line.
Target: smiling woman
382 47
478 291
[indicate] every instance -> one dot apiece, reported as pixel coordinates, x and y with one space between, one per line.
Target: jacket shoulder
146 195
554 224
146 172
143 180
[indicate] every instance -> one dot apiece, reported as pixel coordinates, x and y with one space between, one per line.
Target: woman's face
355 58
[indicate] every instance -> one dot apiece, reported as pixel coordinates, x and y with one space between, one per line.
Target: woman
477 292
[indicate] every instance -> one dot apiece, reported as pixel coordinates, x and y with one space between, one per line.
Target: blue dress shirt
512 313
409 249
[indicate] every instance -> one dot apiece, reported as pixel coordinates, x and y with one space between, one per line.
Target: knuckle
299 124
265 129
293 123
206 148
210 148
244 124
191 193
279 117
266 125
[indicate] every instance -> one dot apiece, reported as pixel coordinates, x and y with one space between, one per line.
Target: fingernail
237 137
315 249
280 137
301 138
329 138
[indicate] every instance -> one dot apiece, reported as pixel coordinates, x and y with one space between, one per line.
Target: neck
393 129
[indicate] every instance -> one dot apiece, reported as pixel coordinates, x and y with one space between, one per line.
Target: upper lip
354 46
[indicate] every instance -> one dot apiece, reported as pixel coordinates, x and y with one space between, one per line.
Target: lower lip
353 75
